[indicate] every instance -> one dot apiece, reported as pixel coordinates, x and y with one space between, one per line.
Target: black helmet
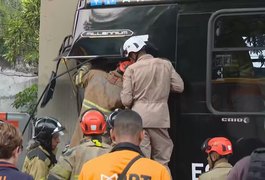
44 129
112 117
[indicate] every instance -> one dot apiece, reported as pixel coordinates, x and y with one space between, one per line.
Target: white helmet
134 44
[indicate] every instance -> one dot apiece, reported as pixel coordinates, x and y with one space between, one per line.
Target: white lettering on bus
196 170
236 120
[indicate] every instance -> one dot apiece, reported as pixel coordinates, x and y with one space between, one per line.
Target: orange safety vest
109 166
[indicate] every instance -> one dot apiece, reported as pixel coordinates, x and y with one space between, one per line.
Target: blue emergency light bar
107 3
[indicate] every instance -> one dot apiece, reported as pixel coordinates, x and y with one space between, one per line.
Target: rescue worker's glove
79 75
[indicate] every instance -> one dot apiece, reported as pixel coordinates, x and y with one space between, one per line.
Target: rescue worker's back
112 164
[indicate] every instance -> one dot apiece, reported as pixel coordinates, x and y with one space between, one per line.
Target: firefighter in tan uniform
146 87
93 125
218 150
41 155
127 133
102 91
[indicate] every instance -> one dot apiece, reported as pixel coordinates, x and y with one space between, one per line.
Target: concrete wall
13 82
56 22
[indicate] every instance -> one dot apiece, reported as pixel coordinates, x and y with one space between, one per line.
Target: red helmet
220 145
123 65
93 122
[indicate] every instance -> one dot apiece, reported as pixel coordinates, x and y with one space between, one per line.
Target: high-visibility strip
88 104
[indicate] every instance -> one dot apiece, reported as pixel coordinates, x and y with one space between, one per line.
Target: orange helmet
123 65
220 145
93 122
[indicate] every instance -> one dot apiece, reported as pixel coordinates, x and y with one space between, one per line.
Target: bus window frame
211 49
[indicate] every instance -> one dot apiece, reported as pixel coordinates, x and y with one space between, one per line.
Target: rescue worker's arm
37 168
63 169
176 83
126 93
80 74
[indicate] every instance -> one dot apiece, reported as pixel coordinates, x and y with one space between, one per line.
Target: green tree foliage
26 99
7 8
21 32
19 38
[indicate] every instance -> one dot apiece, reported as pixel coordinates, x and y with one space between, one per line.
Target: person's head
127 127
10 142
217 148
134 47
47 131
93 122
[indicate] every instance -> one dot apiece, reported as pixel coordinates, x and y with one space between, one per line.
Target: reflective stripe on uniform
88 105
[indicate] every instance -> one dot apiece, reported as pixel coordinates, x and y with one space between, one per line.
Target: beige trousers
157 145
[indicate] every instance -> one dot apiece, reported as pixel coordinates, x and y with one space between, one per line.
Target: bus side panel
191 121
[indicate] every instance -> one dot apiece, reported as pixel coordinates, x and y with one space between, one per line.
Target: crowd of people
131 143
124 158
